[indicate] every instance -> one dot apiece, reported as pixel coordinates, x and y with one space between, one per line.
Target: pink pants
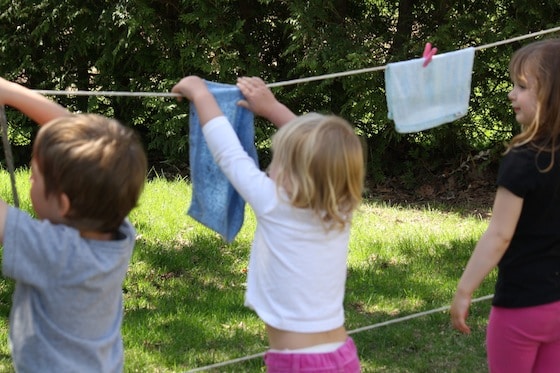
343 360
524 340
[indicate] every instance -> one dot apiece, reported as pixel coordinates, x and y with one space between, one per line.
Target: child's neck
100 236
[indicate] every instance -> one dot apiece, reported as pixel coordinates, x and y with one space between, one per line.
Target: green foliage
148 46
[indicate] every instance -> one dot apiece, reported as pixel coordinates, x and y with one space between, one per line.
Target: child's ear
63 204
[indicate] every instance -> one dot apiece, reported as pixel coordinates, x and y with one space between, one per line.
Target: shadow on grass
184 305
184 309
480 209
421 280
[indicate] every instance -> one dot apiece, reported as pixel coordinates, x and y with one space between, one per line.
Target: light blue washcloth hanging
215 203
419 98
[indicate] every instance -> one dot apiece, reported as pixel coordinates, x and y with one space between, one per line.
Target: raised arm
37 107
261 101
195 90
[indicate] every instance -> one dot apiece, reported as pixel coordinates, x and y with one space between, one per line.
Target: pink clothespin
428 54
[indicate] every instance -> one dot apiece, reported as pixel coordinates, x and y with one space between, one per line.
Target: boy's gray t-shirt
67 306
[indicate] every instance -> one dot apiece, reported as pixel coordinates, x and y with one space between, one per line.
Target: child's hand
261 101
195 89
459 312
190 87
258 97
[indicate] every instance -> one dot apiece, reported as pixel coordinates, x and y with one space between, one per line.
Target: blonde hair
97 162
540 61
318 160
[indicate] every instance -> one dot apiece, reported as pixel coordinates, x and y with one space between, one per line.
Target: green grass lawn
185 286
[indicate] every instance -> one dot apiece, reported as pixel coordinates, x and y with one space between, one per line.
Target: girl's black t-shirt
529 271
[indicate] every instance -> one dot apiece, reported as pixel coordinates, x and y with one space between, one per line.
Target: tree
148 45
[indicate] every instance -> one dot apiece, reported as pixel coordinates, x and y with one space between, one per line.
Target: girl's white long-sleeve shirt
297 269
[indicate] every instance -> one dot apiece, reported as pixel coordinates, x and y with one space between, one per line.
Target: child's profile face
523 97
45 207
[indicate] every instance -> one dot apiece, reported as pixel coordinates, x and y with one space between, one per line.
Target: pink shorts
343 360
524 340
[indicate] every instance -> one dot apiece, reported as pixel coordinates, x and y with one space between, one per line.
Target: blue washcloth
215 203
419 98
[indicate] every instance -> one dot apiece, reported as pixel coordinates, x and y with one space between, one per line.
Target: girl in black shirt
523 236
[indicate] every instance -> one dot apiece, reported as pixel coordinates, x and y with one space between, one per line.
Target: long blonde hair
541 61
319 161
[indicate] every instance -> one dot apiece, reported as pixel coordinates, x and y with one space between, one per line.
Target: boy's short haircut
97 162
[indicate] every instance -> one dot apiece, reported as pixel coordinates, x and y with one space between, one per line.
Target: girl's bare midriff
285 340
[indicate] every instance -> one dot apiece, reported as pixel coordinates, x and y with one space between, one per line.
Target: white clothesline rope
369 327
285 83
277 84
401 319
